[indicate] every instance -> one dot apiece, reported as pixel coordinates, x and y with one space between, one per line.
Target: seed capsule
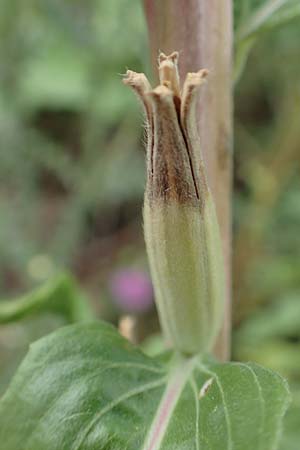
180 224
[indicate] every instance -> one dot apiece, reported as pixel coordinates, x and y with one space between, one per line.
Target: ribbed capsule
181 230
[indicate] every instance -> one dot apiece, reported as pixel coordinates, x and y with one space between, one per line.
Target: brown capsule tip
168 71
161 92
141 86
136 79
129 77
172 57
197 78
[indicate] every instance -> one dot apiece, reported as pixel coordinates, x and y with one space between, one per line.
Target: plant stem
201 30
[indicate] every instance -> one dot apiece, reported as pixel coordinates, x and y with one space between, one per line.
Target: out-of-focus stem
201 30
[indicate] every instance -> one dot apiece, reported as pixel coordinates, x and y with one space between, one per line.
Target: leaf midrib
177 380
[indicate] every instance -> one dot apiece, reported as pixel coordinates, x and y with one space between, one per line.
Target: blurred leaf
85 386
61 106
277 354
254 17
285 314
57 79
60 295
153 345
266 14
272 336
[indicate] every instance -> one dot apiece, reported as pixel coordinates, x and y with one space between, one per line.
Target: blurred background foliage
72 178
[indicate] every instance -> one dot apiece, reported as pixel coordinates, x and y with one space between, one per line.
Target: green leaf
291 435
85 387
253 17
60 295
269 12
59 78
285 313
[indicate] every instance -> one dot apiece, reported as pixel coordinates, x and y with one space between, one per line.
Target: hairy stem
201 30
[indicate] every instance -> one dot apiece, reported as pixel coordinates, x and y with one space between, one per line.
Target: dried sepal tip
168 72
141 86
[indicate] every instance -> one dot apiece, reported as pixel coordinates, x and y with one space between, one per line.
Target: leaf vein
262 402
204 368
195 392
139 390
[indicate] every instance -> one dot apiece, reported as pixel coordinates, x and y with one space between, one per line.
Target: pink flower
131 290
